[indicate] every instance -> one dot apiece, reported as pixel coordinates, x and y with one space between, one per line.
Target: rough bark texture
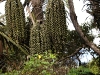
1 48
78 29
37 9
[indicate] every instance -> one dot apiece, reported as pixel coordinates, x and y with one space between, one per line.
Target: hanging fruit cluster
52 35
15 20
38 39
56 25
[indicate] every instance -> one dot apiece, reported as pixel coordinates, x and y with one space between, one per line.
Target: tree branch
17 45
76 51
78 29
73 54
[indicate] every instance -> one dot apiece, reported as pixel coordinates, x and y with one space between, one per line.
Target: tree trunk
37 9
1 48
78 29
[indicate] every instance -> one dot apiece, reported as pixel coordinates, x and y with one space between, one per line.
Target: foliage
9 40
90 69
94 66
13 34
73 43
93 8
80 71
38 64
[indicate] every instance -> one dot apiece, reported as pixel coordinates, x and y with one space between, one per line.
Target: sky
81 16
80 11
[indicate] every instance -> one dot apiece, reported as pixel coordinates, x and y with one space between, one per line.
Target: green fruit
15 20
56 25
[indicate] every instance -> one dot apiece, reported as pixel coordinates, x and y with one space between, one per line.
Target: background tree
78 29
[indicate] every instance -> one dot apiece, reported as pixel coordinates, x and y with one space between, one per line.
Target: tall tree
1 47
78 29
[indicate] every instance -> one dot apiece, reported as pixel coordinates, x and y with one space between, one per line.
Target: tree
78 29
93 9
37 13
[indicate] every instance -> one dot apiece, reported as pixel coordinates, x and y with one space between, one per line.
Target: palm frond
10 41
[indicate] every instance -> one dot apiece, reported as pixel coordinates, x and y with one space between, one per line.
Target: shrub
39 64
80 71
94 66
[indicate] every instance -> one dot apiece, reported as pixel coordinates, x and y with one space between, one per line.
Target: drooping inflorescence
15 20
56 25
52 35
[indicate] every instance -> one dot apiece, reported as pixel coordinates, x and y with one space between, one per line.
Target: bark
37 9
30 14
1 48
78 29
36 14
73 54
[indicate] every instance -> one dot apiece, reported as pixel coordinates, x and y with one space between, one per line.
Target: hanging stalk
39 40
56 25
15 20
53 34
78 29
